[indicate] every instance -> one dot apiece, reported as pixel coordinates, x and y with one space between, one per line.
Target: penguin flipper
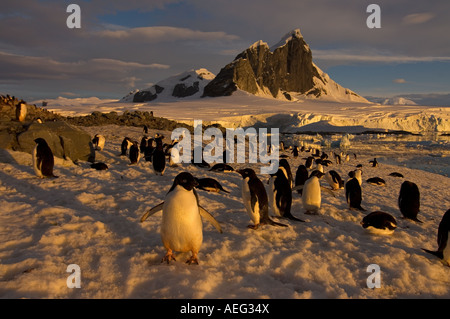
152 211
206 215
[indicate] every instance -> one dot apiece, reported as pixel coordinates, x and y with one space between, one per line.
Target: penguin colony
182 213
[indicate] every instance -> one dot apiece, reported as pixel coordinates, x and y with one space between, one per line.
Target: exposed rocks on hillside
278 72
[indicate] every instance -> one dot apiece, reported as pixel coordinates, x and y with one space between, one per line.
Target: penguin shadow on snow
5 157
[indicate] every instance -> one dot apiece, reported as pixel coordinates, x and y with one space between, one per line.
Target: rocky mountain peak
284 71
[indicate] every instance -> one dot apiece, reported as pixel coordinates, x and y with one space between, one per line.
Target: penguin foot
192 260
168 257
254 227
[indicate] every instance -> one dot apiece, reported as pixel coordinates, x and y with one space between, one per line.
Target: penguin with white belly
443 240
311 194
181 224
99 142
21 111
334 179
255 199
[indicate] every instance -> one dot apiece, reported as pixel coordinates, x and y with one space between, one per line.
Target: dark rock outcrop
289 68
181 85
182 90
277 72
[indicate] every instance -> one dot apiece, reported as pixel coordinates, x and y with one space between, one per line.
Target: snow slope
243 109
200 78
91 218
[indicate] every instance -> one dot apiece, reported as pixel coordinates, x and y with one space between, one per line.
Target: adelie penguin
374 162
443 240
143 145
334 179
126 144
300 177
376 181
379 223
255 199
21 111
311 194
99 142
222 167
135 153
159 158
353 194
209 185
396 174
409 200
181 223
280 196
309 162
43 160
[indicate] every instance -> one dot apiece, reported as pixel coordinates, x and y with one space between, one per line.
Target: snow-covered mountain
398 101
185 84
283 71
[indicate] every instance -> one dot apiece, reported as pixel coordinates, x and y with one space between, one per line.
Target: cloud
399 81
346 57
417 18
23 67
162 34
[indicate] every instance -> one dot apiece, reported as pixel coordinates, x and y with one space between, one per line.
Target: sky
127 45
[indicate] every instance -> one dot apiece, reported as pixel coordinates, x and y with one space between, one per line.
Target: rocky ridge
284 71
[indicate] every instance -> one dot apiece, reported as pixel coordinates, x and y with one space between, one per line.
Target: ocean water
430 152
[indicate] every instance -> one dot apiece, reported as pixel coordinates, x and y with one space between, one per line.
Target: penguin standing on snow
181 224
443 239
99 142
334 179
409 200
43 160
374 162
300 177
159 158
280 197
309 162
311 195
21 111
135 153
126 144
143 145
353 194
255 199
357 173
148 152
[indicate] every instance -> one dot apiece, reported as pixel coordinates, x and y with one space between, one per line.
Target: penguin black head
186 180
248 172
40 141
316 173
